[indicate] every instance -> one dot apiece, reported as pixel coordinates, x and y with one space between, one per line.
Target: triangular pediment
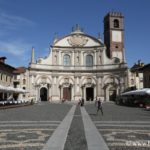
78 40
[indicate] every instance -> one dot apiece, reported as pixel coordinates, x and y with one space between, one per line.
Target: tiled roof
136 67
146 66
6 66
20 70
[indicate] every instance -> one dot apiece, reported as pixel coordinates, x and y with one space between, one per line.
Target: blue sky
27 23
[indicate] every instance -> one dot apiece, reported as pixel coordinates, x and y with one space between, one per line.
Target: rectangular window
89 60
67 61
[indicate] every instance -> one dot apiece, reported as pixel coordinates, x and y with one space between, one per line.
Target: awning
11 89
145 91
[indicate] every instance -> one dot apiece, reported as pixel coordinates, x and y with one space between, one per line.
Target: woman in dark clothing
82 102
99 106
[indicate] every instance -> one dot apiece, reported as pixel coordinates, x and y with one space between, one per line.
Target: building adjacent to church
6 78
82 66
136 76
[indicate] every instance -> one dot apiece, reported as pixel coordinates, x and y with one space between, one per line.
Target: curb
14 106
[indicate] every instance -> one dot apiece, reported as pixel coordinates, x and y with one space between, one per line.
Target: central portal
43 94
89 94
67 93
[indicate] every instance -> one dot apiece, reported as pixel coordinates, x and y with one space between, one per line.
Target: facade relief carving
77 40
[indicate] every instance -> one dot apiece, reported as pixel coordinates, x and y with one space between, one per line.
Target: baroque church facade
82 66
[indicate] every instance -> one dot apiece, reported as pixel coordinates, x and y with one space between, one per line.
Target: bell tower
114 35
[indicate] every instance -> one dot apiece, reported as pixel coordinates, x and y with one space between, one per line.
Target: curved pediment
78 40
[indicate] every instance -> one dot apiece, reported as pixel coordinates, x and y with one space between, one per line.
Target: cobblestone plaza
67 126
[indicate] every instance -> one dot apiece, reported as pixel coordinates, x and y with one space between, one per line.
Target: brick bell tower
114 35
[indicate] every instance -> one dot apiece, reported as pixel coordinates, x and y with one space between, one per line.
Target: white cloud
11 44
8 21
16 48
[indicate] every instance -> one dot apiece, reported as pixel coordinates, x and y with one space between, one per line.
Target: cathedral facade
82 66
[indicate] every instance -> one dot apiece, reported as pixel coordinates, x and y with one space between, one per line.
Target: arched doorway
89 94
111 92
43 94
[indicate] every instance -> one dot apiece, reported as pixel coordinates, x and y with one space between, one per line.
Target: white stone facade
76 67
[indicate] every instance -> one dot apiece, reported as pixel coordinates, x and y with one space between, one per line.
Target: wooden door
67 93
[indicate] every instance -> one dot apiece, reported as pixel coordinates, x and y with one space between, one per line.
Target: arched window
67 61
89 60
116 23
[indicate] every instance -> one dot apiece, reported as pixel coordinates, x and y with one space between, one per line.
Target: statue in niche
77 59
100 59
55 59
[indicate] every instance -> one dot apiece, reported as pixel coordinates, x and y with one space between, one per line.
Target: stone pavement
28 128
123 128
47 126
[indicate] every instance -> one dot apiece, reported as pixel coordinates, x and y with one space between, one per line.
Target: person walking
99 106
79 103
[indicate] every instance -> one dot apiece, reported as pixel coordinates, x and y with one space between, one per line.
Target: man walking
99 106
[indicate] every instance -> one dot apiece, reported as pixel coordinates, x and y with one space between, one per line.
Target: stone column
60 92
78 86
99 86
49 92
37 93
32 55
72 92
75 86
121 84
72 58
56 86
82 59
52 88
95 58
60 58
55 92
77 89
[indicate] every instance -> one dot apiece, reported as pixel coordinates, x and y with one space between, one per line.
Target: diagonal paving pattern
63 127
25 134
29 128
125 135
